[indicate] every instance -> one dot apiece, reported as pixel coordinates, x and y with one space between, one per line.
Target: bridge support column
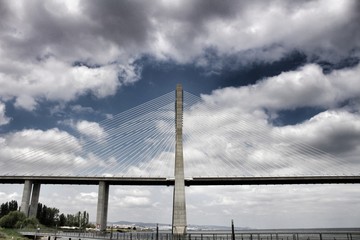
102 206
179 205
34 200
25 201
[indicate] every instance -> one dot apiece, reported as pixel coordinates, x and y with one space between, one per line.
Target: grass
10 234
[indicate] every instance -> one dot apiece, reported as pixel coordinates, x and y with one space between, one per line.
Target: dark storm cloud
338 141
4 11
123 22
342 38
38 29
38 36
187 28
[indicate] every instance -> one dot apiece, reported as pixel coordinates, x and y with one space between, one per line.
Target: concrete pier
179 206
34 200
102 206
26 197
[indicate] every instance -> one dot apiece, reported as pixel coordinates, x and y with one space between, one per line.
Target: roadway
195 181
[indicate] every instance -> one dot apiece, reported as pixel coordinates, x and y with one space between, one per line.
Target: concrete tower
179 207
102 206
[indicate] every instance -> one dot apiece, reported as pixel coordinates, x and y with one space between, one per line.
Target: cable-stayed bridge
210 146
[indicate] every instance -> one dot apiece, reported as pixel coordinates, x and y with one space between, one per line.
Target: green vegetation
11 218
50 217
76 220
17 219
7 207
46 217
10 234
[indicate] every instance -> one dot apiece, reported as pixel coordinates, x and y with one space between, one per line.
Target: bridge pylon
102 206
31 192
179 205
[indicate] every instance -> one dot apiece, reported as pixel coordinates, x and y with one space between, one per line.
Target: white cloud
87 197
135 192
336 131
91 129
275 206
231 133
140 203
132 197
3 119
57 81
80 109
131 201
305 87
36 151
8 196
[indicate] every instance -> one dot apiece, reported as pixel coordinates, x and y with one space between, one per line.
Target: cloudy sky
274 88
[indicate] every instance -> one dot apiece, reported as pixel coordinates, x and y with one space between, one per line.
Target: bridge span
32 185
195 181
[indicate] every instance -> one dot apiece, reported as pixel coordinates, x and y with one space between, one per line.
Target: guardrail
254 235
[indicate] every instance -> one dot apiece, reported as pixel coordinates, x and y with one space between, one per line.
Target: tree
13 205
4 209
47 216
80 219
62 220
70 220
84 219
7 207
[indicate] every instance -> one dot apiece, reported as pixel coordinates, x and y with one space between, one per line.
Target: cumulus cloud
132 197
91 46
305 87
232 131
80 109
3 119
57 81
184 31
56 66
90 129
36 151
335 131
135 192
131 201
87 197
273 206
8 196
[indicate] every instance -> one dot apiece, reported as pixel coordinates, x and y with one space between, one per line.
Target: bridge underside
196 181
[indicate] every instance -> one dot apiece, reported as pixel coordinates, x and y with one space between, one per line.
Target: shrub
10 220
27 223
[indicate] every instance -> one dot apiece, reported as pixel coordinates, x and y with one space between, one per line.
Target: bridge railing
336 235
278 236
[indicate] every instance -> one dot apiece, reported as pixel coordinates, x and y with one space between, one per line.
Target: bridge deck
196 181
